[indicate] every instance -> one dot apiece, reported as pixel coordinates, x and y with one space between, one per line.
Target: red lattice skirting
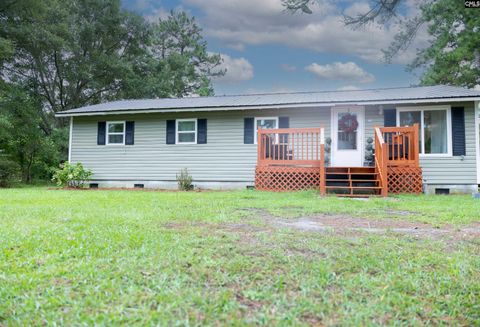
282 179
405 180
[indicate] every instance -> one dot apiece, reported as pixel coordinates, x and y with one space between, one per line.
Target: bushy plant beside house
184 180
71 175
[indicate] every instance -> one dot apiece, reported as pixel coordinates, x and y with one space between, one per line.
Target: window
434 128
265 123
116 132
186 131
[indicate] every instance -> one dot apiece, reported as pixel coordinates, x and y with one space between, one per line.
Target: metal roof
438 93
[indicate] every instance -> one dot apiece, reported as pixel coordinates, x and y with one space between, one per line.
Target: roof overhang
264 107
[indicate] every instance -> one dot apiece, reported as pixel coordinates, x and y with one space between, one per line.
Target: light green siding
440 170
225 158
455 170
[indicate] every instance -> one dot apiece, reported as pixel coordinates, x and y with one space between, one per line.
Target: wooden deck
294 159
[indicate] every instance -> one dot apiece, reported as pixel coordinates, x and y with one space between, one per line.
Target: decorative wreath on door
348 123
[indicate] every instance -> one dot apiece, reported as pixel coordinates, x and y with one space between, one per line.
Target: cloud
348 88
288 68
253 22
237 70
341 71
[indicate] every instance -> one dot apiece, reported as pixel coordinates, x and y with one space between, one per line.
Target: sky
266 49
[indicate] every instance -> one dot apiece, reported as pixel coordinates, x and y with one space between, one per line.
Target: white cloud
253 22
237 70
348 88
341 71
288 67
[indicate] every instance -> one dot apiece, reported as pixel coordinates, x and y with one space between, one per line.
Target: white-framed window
435 128
265 123
186 131
115 133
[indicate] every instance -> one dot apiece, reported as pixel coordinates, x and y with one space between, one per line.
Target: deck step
350 174
354 195
348 181
360 182
354 187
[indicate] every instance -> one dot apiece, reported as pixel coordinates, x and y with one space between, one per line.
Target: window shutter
390 117
248 130
129 132
458 131
202 131
170 131
283 122
101 132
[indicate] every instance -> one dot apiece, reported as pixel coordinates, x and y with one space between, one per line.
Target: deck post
416 145
322 180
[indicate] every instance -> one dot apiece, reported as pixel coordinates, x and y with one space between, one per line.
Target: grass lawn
172 258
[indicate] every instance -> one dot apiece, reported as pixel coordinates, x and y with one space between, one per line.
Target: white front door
348 124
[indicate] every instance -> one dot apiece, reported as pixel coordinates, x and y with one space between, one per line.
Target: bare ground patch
342 224
257 221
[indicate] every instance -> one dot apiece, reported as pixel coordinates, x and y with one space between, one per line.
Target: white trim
255 128
107 133
70 138
360 134
270 106
185 132
476 111
448 109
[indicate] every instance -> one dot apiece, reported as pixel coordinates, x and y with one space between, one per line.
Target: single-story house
147 142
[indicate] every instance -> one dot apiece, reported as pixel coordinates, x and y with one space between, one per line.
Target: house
427 136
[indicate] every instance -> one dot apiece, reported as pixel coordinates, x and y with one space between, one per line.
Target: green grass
171 258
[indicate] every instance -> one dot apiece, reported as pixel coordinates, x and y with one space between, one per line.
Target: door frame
360 131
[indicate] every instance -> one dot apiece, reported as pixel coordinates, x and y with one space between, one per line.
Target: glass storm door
347 136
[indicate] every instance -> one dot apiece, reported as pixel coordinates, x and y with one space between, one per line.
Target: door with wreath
348 124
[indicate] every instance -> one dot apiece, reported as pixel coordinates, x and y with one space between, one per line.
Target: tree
380 10
177 63
21 137
453 56
61 54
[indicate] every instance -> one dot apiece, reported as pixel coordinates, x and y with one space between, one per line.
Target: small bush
184 180
71 175
8 171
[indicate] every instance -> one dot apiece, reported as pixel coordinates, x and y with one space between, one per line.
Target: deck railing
293 147
290 146
395 147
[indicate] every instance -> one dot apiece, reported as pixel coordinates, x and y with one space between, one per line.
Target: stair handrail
381 160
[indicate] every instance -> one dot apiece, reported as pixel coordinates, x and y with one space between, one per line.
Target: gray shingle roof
438 93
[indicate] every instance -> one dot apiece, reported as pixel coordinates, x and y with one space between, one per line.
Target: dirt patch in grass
342 224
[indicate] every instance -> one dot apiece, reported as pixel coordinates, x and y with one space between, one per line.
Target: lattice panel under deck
282 179
405 180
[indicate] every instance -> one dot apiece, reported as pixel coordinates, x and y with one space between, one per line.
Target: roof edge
264 107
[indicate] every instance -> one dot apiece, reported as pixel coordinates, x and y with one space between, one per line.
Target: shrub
71 175
184 180
8 171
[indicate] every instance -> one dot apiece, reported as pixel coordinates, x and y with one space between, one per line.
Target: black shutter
283 122
458 131
202 131
129 132
101 132
170 131
390 117
248 130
